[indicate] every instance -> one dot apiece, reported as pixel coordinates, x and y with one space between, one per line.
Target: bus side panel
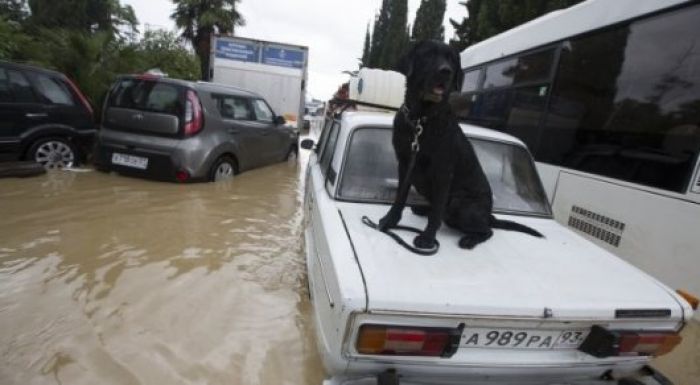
617 217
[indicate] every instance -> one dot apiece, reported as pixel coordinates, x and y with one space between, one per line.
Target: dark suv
43 117
184 131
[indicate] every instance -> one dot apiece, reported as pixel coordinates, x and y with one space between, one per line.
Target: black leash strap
400 241
403 189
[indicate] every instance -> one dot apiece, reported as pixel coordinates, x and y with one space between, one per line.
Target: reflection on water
112 280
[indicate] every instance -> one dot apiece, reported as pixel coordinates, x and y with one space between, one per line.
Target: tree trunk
203 48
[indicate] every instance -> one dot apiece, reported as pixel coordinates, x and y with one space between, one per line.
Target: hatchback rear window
148 95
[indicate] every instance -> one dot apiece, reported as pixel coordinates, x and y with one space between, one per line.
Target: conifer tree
395 42
379 32
429 18
364 61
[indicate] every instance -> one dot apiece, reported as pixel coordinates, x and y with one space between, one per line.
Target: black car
43 117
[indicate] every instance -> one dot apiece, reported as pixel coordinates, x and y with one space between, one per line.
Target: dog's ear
457 68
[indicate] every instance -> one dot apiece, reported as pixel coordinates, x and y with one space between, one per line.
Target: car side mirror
307 144
279 120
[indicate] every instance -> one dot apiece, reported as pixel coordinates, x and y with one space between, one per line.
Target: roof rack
341 105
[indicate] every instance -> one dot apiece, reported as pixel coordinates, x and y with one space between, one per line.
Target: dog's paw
468 242
388 222
424 242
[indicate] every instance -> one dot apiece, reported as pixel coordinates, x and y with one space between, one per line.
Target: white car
514 310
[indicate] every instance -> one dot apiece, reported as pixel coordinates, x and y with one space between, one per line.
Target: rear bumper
161 164
166 156
645 376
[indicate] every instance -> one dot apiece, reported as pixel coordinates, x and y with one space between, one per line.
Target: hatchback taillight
407 341
194 119
602 343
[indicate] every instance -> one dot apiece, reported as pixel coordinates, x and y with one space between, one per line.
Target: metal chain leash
415 145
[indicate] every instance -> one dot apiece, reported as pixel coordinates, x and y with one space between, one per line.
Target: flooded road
112 280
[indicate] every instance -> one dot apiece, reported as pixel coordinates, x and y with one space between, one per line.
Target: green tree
486 18
397 38
364 61
14 10
381 25
87 16
200 19
428 24
162 49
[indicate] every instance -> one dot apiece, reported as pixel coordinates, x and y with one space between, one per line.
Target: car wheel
224 169
54 153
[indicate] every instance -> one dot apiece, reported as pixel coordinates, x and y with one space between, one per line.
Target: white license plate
521 338
139 162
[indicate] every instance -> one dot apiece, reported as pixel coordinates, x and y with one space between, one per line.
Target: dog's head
432 70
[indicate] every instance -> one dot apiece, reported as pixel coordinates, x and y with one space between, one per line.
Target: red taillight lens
648 344
609 343
182 176
194 120
82 97
407 341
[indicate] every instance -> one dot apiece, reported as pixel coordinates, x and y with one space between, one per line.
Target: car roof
366 118
224 88
30 67
199 85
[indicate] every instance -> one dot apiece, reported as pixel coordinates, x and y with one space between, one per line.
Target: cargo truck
276 71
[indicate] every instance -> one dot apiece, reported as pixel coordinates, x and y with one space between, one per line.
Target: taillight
82 97
603 343
182 176
194 120
407 341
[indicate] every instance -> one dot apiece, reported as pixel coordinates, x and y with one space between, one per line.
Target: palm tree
199 19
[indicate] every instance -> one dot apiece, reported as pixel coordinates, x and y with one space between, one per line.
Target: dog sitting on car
446 171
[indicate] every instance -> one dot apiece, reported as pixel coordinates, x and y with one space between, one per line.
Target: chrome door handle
37 115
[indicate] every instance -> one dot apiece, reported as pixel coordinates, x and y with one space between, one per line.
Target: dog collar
407 113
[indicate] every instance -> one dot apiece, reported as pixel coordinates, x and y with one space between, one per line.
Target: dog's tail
514 226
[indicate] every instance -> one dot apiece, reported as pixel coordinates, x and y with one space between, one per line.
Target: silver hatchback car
183 131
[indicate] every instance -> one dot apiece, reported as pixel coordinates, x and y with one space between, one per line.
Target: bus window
471 81
500 74
535 67
531 68
626 102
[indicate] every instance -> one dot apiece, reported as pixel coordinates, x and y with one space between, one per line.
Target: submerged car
184 131
515 310
44 117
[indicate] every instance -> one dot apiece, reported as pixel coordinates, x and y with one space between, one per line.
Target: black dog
446 172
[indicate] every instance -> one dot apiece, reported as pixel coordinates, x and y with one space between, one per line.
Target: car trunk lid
562 276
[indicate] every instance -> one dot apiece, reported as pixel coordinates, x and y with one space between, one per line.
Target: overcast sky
333 30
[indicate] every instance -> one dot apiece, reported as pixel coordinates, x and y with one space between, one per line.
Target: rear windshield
370 173
148 95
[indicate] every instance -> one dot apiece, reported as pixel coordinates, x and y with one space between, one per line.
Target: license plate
522 339
139 162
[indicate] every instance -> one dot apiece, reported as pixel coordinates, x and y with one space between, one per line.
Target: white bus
606 94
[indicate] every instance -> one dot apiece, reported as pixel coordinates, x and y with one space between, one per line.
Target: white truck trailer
276 71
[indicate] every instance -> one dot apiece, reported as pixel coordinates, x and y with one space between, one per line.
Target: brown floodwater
106 279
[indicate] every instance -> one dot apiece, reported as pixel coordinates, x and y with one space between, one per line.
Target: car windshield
370 173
